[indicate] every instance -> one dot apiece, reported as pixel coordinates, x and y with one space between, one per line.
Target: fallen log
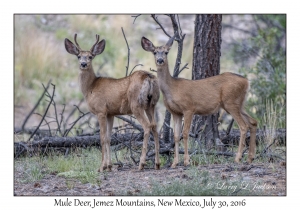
46 143
39 132
233 137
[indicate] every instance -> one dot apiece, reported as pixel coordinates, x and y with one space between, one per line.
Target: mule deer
107 97
184 98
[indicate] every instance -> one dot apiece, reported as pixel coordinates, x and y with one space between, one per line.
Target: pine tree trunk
206 63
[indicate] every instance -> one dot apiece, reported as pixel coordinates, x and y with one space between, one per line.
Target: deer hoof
102 168
250 159
237 160
174 165
141 166
157 166
186 163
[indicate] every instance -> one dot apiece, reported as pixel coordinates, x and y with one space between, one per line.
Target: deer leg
110 122
252 123
177 130
237 116
102 122
188 116
140 116
150 114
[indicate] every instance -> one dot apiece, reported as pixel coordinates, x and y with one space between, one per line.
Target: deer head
85 57
160 53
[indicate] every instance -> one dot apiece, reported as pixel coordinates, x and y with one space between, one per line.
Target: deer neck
164 77
86 79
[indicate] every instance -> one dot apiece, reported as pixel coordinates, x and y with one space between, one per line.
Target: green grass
271 120
82 165
199 183
32 168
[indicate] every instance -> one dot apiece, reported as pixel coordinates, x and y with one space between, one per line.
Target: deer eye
154 53
166 53
90 57
78 56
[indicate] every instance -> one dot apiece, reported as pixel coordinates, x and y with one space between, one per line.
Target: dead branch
42 132
55 111
161 27
136 126
130 148
224 25
167 151
47 123
153 70
56 118
35 106
82 115
229 127
184 67
179 25
128 56
72 112
62 116
135 17
44 113
48 143
234 136
133 141
134 67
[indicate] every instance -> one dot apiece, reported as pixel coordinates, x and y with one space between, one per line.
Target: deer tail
149 93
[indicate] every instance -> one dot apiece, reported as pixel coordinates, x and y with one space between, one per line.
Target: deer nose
160 60
83 64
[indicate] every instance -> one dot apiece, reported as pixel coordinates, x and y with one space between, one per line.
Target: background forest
252 45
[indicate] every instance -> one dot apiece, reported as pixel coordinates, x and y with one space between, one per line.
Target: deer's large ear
147 44
70 47
98 48
170 42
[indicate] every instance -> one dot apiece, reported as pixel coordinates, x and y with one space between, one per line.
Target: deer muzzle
160 61
83 64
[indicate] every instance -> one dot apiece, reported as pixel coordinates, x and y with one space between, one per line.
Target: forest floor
243 179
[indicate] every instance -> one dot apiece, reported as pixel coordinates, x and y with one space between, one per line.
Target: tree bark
206 63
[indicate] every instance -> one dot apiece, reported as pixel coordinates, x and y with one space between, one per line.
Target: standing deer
184 98
107 97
